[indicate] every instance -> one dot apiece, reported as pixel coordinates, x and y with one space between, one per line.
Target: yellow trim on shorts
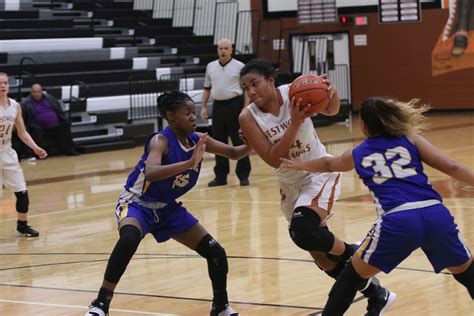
363 246
146 186
123 210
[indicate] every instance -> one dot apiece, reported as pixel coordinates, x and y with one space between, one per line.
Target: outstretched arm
324 164
158 147
440 161
231 152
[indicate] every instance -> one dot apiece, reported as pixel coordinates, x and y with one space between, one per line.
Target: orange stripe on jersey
333 190
314 201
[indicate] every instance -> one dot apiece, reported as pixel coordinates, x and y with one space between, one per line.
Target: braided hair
169 101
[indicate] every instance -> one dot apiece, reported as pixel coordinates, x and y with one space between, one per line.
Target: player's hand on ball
298 112
327 81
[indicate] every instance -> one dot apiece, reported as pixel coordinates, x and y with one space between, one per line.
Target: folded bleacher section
102 59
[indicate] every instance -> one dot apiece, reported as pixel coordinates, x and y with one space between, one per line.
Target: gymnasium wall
396 62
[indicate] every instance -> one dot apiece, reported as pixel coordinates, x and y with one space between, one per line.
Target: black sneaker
460 44
26 231
244 182
216 183
380 303
97 308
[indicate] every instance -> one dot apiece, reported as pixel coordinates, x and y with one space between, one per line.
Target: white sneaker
96 310
229 311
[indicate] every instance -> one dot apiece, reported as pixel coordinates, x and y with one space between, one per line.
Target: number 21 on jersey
385 170
4 129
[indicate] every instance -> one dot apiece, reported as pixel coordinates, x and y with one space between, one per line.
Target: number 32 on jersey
385 170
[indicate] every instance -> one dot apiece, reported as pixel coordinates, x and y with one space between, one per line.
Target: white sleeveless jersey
8 114
306 145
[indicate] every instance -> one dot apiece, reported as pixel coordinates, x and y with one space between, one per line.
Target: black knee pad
215 254
130 237
306 233
22 201
467 279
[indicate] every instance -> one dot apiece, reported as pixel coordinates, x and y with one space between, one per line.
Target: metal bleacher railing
143 103
26 74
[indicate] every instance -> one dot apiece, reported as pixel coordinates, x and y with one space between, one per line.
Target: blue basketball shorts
162 223
396 235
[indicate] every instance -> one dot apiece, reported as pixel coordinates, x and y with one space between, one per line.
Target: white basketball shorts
319 190
11 174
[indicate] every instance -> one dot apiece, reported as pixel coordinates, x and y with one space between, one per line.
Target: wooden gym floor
72 205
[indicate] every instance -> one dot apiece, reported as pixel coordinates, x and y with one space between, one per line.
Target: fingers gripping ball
311 89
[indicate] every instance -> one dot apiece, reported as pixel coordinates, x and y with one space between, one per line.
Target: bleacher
106 61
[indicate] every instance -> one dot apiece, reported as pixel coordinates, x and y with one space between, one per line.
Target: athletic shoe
460 44
26 231
97 309
226 312
217 183
380 303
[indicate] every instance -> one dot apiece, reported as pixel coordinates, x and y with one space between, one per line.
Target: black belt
228 100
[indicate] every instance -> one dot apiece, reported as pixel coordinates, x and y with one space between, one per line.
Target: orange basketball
311 89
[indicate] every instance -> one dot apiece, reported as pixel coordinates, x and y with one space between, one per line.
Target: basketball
311 89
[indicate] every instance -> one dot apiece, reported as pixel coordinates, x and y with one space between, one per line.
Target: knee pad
123 252
130 236
22 201
306 233
215 254
467 279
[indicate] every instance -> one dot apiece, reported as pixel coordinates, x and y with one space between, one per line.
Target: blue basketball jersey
392 169
169 189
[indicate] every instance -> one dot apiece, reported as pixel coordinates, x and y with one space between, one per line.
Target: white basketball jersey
306 146
8 114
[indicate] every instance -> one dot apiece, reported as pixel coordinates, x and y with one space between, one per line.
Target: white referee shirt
223 80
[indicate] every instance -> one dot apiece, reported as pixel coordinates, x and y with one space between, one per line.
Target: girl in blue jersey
168 168
410 212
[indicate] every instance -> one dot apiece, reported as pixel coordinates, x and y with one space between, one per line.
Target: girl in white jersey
277 127
11 174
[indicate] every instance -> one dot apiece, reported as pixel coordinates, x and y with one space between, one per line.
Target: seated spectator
47 123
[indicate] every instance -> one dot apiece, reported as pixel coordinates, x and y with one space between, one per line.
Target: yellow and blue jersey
169 189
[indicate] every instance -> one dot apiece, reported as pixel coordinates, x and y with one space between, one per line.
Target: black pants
225 124
464 14
56 141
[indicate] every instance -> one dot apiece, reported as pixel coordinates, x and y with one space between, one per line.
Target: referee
222 81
